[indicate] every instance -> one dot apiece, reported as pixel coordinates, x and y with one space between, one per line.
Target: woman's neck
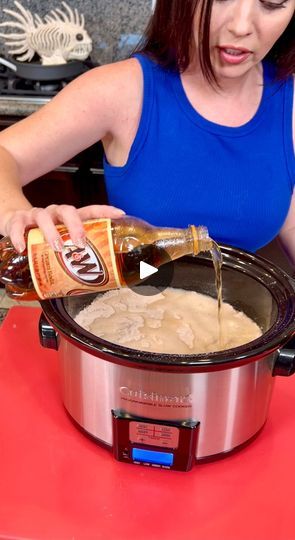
233 102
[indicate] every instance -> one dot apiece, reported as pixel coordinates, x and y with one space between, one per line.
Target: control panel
154 443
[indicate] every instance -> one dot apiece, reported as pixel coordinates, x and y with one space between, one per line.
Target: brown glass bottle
111 259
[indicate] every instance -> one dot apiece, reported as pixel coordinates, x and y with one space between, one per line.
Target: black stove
12 86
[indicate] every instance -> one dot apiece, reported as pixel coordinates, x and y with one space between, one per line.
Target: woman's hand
47 218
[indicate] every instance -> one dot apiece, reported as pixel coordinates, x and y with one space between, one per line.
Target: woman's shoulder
117 78
118 69
125 75
119 84
130 72
109 91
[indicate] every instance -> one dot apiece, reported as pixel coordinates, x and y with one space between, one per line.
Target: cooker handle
285 362
49 338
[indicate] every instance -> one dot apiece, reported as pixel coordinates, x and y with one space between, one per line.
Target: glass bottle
110 259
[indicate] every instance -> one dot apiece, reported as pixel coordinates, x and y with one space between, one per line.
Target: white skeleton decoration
60 38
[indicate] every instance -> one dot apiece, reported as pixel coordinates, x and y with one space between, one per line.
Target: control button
154 434
151 456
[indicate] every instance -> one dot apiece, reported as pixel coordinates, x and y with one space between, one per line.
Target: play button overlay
147 269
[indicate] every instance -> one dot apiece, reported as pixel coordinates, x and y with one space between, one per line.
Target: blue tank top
183 169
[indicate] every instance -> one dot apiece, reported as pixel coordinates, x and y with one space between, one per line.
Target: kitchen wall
115 26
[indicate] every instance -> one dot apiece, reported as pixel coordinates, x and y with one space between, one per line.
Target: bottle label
74 270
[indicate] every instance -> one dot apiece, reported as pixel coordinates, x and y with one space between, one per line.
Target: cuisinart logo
82 264
154 398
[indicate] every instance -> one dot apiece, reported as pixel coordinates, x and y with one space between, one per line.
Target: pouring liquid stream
217 263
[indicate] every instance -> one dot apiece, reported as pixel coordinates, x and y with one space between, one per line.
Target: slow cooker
171 411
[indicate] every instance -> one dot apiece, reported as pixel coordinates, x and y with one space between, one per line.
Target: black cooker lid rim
278 282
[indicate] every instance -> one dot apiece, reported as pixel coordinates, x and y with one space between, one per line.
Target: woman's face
242 32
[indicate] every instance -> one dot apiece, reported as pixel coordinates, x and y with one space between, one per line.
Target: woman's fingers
69 216
42 218
47 219
100 211
35 217
15 229
73 218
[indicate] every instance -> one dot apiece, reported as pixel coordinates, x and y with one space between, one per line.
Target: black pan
36 72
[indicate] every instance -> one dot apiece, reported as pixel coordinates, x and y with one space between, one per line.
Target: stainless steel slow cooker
166 410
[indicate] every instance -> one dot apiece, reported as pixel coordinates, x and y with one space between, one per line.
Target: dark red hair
169 37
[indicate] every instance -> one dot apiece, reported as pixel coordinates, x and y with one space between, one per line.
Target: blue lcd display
150 456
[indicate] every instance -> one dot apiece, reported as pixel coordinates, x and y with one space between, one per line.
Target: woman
197 128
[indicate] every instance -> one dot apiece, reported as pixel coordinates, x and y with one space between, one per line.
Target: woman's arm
95 106
287 233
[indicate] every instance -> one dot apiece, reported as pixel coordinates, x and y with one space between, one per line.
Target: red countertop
57 484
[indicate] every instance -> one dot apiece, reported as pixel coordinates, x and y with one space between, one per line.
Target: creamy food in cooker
174 321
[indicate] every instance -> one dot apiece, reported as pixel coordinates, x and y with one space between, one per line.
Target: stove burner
12 85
